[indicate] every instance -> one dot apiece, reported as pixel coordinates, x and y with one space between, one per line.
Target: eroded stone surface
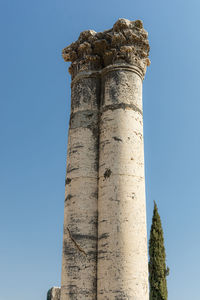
105 167
126 42
122 246
79 267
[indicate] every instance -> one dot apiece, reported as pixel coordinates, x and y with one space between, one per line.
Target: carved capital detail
127 42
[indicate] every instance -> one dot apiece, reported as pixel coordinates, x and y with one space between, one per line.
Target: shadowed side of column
79 266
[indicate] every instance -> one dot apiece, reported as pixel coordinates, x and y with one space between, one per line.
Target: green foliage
49 294
157 266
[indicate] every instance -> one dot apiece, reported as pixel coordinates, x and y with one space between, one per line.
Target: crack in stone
75 243
78 177
123 106
119 174
117 139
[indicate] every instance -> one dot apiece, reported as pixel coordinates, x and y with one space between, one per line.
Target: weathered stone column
79 266
114 61
122 245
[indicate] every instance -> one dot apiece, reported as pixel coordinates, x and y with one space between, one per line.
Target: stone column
116 60
79 265
122 234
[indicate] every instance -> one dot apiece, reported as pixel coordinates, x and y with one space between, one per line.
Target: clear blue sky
34 115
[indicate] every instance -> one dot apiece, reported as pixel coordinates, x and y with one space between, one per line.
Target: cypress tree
157 265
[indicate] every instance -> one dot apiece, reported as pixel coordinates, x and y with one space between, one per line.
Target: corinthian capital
127 42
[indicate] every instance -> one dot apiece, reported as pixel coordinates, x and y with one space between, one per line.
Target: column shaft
122 241
79 267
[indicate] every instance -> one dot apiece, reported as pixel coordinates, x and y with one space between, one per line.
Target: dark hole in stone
90 115
69 197
68 180
107 173
117 139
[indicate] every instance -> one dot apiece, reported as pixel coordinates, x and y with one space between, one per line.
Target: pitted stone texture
121 86
126 42
116 180
122 238
122 143
53 294
85 91
79 266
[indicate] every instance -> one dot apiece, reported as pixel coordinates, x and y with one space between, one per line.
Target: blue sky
34 115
